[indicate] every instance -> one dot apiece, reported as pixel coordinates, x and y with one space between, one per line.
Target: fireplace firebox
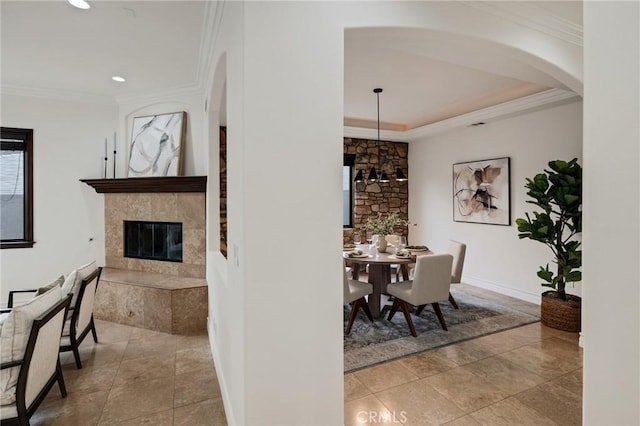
153 240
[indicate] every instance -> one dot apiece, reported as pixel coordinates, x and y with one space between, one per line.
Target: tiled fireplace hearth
168 295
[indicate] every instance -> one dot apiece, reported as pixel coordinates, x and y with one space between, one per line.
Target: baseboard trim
502 289
226 400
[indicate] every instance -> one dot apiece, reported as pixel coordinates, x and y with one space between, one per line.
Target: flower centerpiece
383 226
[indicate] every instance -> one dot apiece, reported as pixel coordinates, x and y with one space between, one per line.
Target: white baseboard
226 400
502 289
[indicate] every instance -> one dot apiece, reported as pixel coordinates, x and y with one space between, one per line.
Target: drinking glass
403 242
356 238
369 236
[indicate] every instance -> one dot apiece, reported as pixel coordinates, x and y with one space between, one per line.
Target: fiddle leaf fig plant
558 194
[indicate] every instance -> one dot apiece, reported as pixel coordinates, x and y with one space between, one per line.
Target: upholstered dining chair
81 322
431 284
458 251
30 362
354 294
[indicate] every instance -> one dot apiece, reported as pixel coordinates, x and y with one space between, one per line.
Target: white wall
68 146
611 306
275 323
495 258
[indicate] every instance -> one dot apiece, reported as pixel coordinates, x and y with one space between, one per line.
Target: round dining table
379 272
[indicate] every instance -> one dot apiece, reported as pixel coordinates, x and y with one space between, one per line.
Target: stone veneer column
370 199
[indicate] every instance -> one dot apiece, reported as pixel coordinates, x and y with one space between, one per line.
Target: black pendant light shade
384 177
373 176
400 177
359 177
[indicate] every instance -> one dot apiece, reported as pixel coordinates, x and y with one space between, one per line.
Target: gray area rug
381 341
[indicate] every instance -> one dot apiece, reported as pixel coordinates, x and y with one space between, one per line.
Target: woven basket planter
561 314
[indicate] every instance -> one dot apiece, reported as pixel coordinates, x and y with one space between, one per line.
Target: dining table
379 274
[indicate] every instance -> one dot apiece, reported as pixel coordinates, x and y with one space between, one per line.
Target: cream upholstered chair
430 285
458 251
30 338
354 293
81 322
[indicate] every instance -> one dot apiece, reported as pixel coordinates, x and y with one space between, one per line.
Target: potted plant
383 226
558 193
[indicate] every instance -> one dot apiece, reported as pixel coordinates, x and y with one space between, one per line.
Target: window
347 190
16 188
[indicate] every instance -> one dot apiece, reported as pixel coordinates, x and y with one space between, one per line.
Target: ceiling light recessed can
118 79
80 4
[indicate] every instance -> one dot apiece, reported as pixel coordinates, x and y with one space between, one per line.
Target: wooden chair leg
60 378
93 330
394 309
352 316
453 301
436 308
365 307
420 309
407 317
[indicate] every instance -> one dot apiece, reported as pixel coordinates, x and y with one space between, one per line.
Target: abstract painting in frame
481 192
157 145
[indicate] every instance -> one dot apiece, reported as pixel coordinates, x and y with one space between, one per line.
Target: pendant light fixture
374 176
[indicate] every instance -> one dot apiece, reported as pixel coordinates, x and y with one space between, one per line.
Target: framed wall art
481 192
157 145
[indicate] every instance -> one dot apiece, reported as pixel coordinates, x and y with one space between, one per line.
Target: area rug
373 343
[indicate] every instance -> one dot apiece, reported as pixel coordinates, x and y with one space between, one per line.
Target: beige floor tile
110 332
533 332
504 374
189 342
551 400
463 421
466 390
385 376
94 354
79 409
368 410
163 418
150 345
562 349
509 412
137 399
194 360
500 342
90 378
195 387
204 413
147 368
427 364
540 361
571 381
418 403
463 353
354 388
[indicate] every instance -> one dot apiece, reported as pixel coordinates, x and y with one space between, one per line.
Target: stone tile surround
187 208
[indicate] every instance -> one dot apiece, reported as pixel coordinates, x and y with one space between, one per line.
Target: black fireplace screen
153 240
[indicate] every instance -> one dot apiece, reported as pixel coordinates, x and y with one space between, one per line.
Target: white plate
393 256
361 256
416 249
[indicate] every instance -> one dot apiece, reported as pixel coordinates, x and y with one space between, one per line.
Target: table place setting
355 254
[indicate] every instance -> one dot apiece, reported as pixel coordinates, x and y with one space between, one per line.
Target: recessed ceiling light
118 79
80 4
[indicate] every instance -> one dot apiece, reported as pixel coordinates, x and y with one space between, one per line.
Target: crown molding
211 28
546 99
151 97
57 94
372 134
534 17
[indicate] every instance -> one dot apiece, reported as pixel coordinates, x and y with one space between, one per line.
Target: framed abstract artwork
157 145
481 192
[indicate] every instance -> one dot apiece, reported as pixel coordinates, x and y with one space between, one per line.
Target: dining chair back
354 293
431 284
458 251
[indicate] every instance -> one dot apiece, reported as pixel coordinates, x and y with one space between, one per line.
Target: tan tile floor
529 375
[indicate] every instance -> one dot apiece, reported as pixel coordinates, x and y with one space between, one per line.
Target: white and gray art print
481 192
156 145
